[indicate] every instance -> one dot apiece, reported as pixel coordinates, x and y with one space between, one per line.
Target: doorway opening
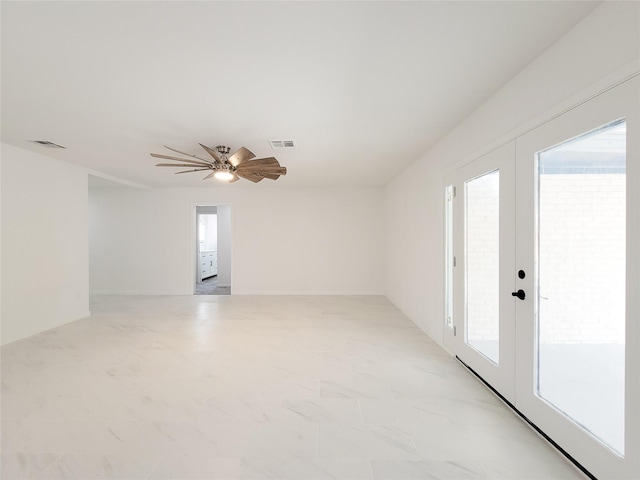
213 250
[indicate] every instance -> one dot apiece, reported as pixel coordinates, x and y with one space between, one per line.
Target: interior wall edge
44 243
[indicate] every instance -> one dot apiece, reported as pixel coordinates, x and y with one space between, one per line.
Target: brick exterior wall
582 258
581 264
482 257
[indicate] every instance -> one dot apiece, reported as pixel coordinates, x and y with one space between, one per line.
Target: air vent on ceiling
282 143
48 144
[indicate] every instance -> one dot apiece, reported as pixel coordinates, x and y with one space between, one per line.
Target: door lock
520 294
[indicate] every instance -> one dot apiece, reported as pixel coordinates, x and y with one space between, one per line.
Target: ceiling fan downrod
222 150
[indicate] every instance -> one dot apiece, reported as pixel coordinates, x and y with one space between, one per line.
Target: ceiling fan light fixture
242 164
224 175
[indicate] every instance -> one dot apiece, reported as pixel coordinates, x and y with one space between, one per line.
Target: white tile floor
235 387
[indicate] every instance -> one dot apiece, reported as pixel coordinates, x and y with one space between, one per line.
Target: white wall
224 246
284 241
209 238
45 260
597 51
1 248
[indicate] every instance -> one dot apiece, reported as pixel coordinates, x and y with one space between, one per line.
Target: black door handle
519 294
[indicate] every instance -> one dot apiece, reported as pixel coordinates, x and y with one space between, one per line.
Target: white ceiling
364 88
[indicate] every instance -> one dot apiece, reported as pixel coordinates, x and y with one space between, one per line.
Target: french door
545 238
483 249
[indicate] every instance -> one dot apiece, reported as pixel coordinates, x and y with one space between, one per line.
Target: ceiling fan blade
262 162
266 160
251 177
211 152
178 159
188 154
270 176
194 170
257 169
182 165
241 155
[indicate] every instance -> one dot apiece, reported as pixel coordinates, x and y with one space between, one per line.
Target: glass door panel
482 237
482 245
581 280
578 235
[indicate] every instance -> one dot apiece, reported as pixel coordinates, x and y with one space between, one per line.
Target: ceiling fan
224 167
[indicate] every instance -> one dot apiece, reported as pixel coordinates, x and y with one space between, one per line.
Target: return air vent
282 143
48 144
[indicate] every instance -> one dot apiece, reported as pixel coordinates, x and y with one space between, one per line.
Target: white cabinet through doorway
208 264
207 244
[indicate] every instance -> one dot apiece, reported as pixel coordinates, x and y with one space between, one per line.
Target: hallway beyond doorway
209 286
212 253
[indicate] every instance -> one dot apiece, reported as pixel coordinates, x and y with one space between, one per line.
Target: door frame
193 249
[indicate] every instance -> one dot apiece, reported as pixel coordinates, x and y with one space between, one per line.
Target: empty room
379 240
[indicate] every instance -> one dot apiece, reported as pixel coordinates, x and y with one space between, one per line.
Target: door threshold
529 422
